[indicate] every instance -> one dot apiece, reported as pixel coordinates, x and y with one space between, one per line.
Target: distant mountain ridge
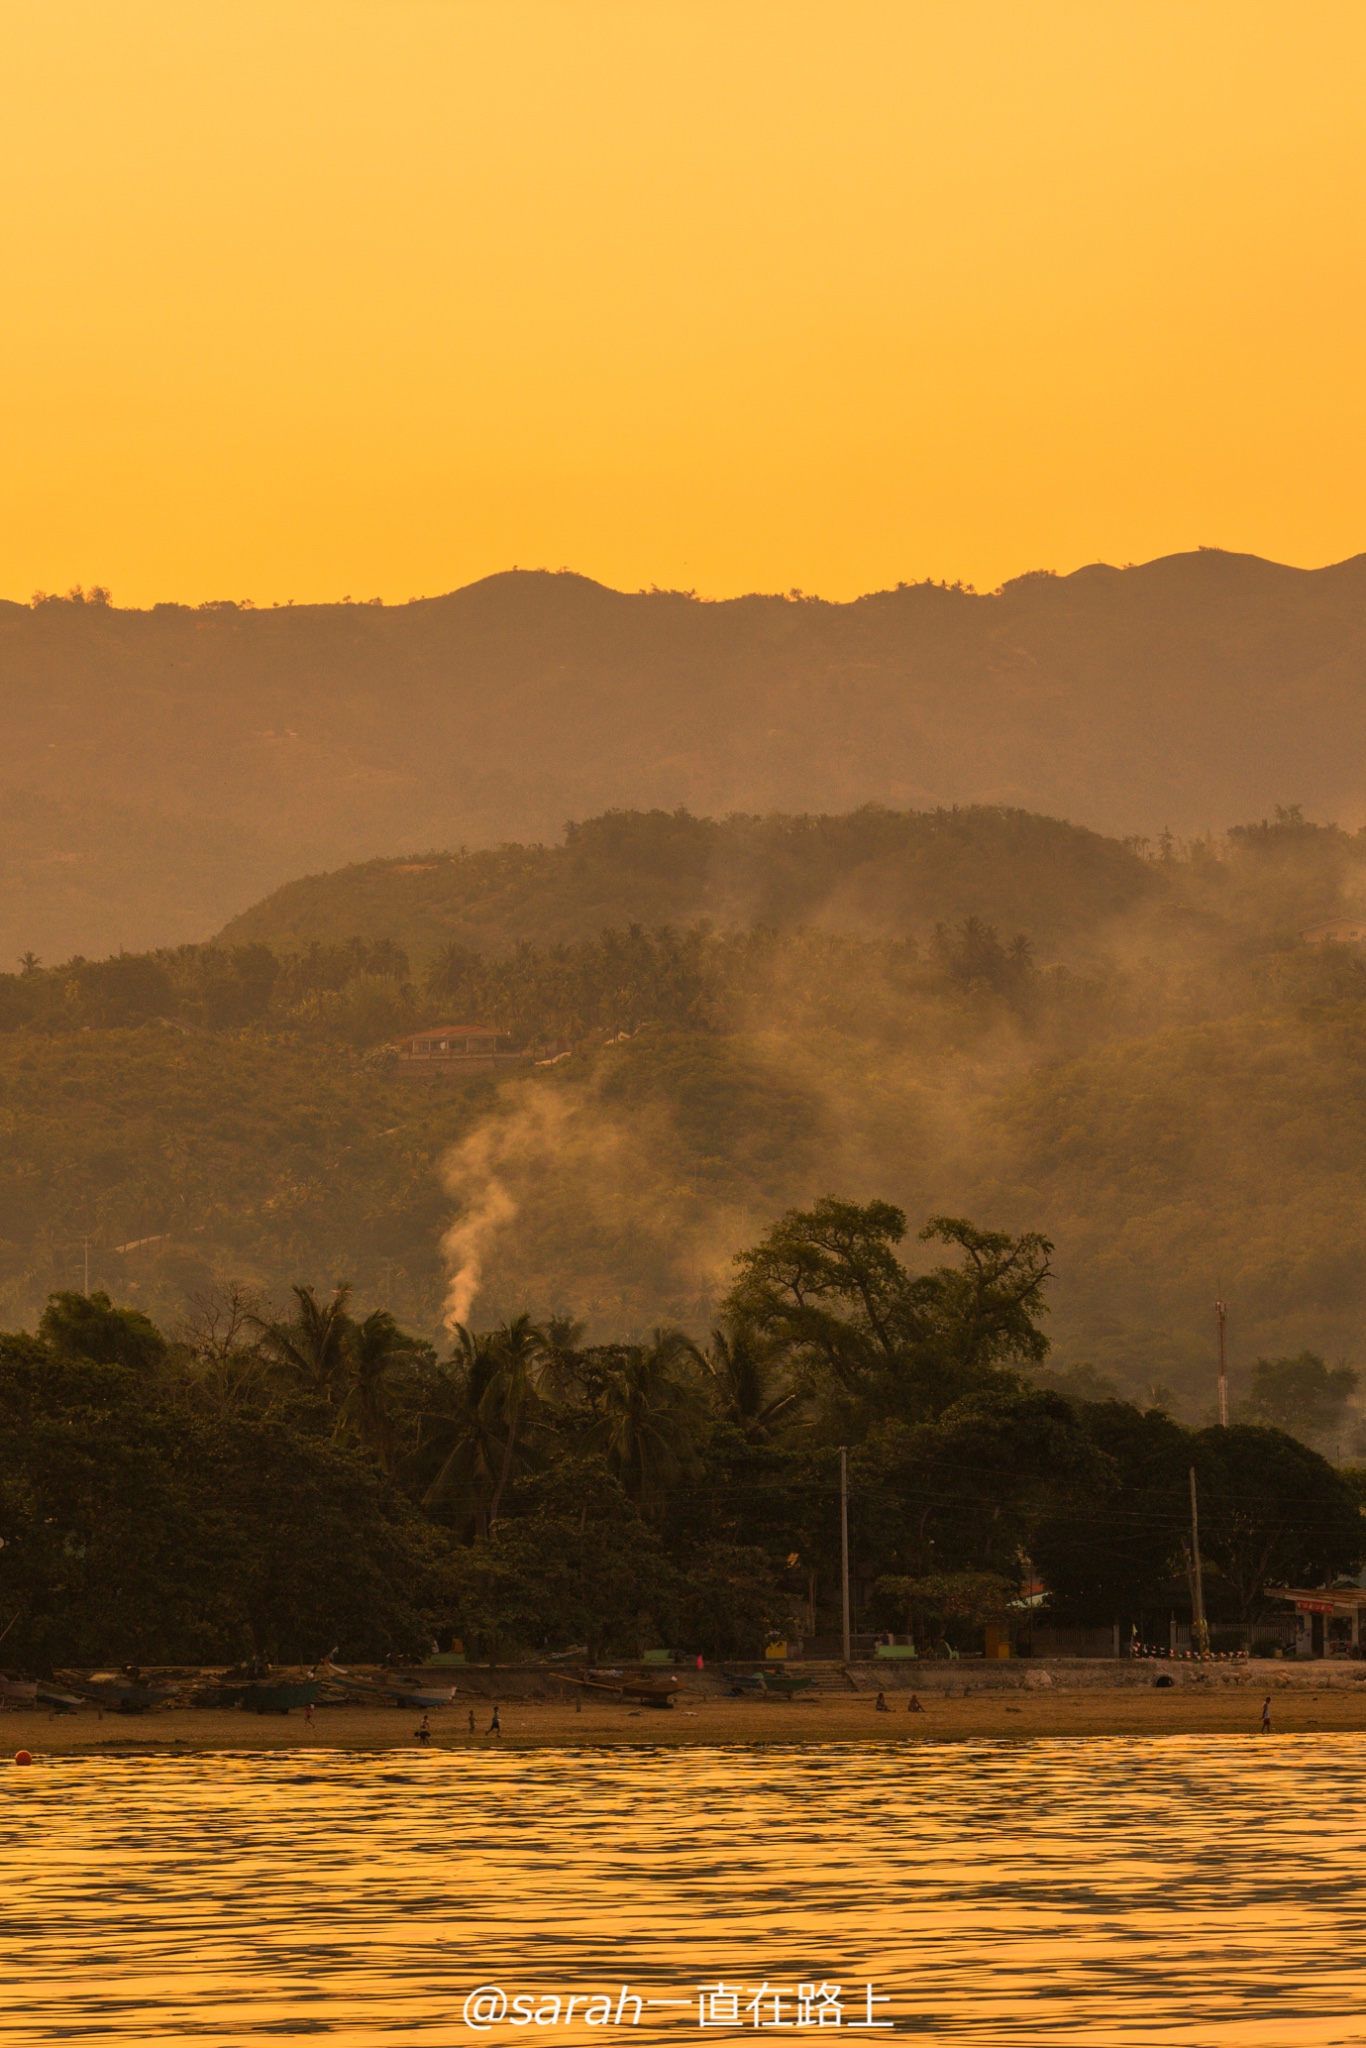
161 769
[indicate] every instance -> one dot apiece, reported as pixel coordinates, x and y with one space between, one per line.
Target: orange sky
306 298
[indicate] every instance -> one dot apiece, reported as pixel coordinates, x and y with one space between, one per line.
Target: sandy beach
1226 1704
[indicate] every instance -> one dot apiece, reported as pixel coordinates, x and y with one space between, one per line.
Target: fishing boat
115 1692
273 1696
784 1683
744 1682
58 1702
426 1696
647 1692
402 1690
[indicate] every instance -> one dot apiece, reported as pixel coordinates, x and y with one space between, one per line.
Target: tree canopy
265 1486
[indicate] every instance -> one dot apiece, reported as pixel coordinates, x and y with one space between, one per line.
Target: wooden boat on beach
116 1692
401 1690
272 1696
785 1683
647 1692
58 1702
425 1696
781 1684
18 1692
744 1682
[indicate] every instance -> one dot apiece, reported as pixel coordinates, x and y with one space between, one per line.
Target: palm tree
651 1415
312 1348
521 1351
745 1384
489 1387
375 1350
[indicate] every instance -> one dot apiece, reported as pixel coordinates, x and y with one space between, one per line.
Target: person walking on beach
496 1726
308 1714
424 1731
472 1727
1266 1715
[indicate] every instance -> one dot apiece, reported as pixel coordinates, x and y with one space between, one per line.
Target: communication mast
1219 1317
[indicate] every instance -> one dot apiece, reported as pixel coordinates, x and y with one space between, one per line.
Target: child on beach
1266 1715
495 1725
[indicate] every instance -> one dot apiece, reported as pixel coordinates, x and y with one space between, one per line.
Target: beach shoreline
1311 1700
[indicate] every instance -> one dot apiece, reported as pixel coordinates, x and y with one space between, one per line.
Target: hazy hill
1180 1107
160 769
873 871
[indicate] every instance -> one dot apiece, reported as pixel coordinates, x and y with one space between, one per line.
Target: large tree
1112 1552
1272 1513
869 1336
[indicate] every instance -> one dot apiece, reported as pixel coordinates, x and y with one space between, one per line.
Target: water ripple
1202 1890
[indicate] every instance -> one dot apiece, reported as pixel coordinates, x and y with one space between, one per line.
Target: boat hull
273 1699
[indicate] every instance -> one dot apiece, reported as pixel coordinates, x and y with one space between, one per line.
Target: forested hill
1183 1112
159 770
875 872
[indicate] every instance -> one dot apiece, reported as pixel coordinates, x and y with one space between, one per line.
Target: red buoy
23 1756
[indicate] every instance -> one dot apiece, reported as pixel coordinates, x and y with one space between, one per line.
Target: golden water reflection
1194 1890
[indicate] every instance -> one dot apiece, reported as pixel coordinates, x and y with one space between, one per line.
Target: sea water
1207 1890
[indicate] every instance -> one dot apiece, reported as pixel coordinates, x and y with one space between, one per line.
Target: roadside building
1328 1619
455 1049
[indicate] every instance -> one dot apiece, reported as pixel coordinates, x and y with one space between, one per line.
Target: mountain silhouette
161 769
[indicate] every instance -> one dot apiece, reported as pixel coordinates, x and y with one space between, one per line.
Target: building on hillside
455 1048
1338 931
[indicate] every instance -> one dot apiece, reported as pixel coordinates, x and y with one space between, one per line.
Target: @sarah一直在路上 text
805 2007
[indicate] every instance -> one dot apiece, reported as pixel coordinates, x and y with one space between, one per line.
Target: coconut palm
479 1430
522 1353
312 1347
457 1438
746 1385
375 1352
651 1415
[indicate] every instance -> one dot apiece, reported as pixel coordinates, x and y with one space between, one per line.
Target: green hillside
1131 1050
872 871
223 1154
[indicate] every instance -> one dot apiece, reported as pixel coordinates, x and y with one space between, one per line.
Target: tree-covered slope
213 1155
1178 1107
873 871
1225 1157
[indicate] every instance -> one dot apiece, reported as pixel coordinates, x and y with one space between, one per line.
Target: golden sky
308 298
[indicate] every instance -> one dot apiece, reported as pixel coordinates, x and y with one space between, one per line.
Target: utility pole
844 1548
1219 1315
1199 1632
86 1242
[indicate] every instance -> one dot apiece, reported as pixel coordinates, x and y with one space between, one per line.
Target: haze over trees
1140 1055
160 769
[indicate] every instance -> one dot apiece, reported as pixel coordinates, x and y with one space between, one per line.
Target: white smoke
473 1172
